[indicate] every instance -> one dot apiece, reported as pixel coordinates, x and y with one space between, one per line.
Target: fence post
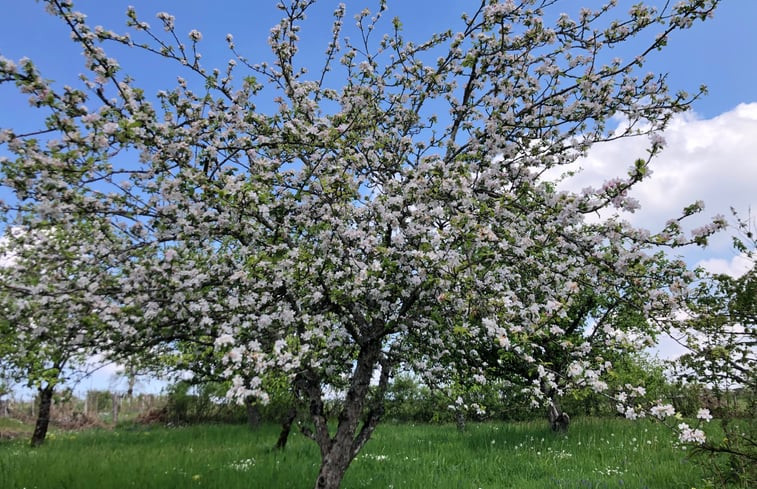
116 399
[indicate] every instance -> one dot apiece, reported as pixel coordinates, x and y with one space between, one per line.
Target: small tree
394 198
48 310
720 324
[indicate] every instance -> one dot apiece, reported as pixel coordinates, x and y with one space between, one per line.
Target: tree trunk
333 468
558 420
131 381
286 428
460 421
338 451
253 413
43 416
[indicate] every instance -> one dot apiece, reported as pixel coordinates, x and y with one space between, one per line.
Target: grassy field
595 454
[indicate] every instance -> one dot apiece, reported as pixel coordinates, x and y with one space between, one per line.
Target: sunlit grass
594 454
11 424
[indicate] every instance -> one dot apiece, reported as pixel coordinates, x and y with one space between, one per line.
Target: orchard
324 226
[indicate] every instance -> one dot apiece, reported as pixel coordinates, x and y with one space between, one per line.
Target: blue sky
721 53
711 152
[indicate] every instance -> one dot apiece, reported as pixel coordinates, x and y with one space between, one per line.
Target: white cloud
735 267
713 160
668 347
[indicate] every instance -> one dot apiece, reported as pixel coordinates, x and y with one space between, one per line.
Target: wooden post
115 399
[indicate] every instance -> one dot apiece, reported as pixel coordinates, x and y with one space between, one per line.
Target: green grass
11 424
594 454
13 428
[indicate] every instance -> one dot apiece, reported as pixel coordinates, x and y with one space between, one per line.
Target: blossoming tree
578 343
50 292
720 318
719 329
396 197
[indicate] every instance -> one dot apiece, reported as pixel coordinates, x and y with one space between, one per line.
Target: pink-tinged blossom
657 139
630 413
168 20
497 10
575 369
224 339
686 434
662 411
704 414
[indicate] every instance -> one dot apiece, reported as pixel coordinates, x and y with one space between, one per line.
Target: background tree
576 347
49 301
719 322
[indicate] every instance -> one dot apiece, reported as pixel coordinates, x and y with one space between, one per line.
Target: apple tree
50 296
394 196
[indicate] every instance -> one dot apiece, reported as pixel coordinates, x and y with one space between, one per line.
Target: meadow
594 454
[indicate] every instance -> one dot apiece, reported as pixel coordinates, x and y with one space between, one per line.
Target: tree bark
131 381
460 421
558 419
338 451
333 468
253 413
43 416
286 428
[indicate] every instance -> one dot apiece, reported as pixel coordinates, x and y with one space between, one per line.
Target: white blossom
690 435
704 414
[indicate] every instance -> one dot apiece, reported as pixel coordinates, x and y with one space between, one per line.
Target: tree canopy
393 210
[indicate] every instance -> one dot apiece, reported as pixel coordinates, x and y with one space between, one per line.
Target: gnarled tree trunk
338 451
333 467
558 419
43 416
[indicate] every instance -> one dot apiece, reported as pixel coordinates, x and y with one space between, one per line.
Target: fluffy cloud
713 160
735 267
